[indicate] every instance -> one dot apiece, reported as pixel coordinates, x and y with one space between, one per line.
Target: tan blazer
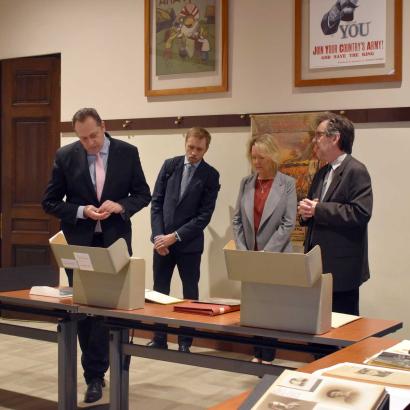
278 217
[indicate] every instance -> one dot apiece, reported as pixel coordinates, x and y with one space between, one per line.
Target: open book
303 391
395 381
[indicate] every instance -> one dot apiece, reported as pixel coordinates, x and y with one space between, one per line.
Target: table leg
67 364
119 370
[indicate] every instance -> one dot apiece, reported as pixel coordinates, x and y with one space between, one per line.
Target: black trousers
266 354
93 337
346 302
188 265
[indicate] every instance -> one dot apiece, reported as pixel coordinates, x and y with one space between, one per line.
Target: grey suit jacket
278 217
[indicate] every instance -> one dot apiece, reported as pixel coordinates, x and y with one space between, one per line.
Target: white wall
101 44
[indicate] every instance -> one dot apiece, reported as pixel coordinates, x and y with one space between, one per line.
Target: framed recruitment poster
347 41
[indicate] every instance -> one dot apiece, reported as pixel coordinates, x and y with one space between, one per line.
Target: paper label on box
83 260
69 263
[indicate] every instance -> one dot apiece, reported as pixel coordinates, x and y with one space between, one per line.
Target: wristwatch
177 237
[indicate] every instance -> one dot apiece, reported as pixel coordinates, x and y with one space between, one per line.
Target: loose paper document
219 301
158 297
69 263
396 357
341 319
402 347
52 292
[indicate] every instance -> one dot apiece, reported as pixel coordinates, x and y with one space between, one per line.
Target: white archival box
105 277
282 291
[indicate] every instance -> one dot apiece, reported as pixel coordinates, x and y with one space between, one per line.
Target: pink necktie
99 175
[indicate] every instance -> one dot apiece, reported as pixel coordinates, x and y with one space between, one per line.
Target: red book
209 309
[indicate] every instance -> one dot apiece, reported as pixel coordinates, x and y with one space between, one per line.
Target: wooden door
30 135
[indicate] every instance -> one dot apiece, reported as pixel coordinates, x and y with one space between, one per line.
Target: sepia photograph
348 394
309 384
374 372
277 402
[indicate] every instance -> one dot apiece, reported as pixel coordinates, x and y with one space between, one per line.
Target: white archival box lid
87 258
275 268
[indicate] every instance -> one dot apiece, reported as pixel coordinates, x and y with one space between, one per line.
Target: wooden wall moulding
360 116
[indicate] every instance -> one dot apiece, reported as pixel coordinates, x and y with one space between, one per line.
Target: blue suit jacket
190 214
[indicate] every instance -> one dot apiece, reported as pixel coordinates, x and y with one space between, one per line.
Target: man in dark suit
182 205
337 211
96 185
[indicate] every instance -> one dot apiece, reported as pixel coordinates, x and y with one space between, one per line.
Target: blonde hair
268 144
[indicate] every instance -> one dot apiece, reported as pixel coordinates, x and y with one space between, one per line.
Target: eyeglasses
319 134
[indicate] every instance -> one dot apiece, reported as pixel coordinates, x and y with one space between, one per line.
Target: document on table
157 297
396 357
341 319
66 292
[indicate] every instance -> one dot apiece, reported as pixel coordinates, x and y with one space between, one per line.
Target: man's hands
306 208
104 211
163 242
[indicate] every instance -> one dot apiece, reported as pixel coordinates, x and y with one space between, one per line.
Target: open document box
282 291
292 269
106 277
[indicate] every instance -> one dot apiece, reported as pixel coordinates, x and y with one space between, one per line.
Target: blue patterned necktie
186 177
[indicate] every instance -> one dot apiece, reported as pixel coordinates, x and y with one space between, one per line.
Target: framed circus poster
186 47
347 41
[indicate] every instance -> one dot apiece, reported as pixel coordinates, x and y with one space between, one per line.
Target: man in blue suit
182 205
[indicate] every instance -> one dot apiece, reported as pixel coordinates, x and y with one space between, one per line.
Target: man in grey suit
337 211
